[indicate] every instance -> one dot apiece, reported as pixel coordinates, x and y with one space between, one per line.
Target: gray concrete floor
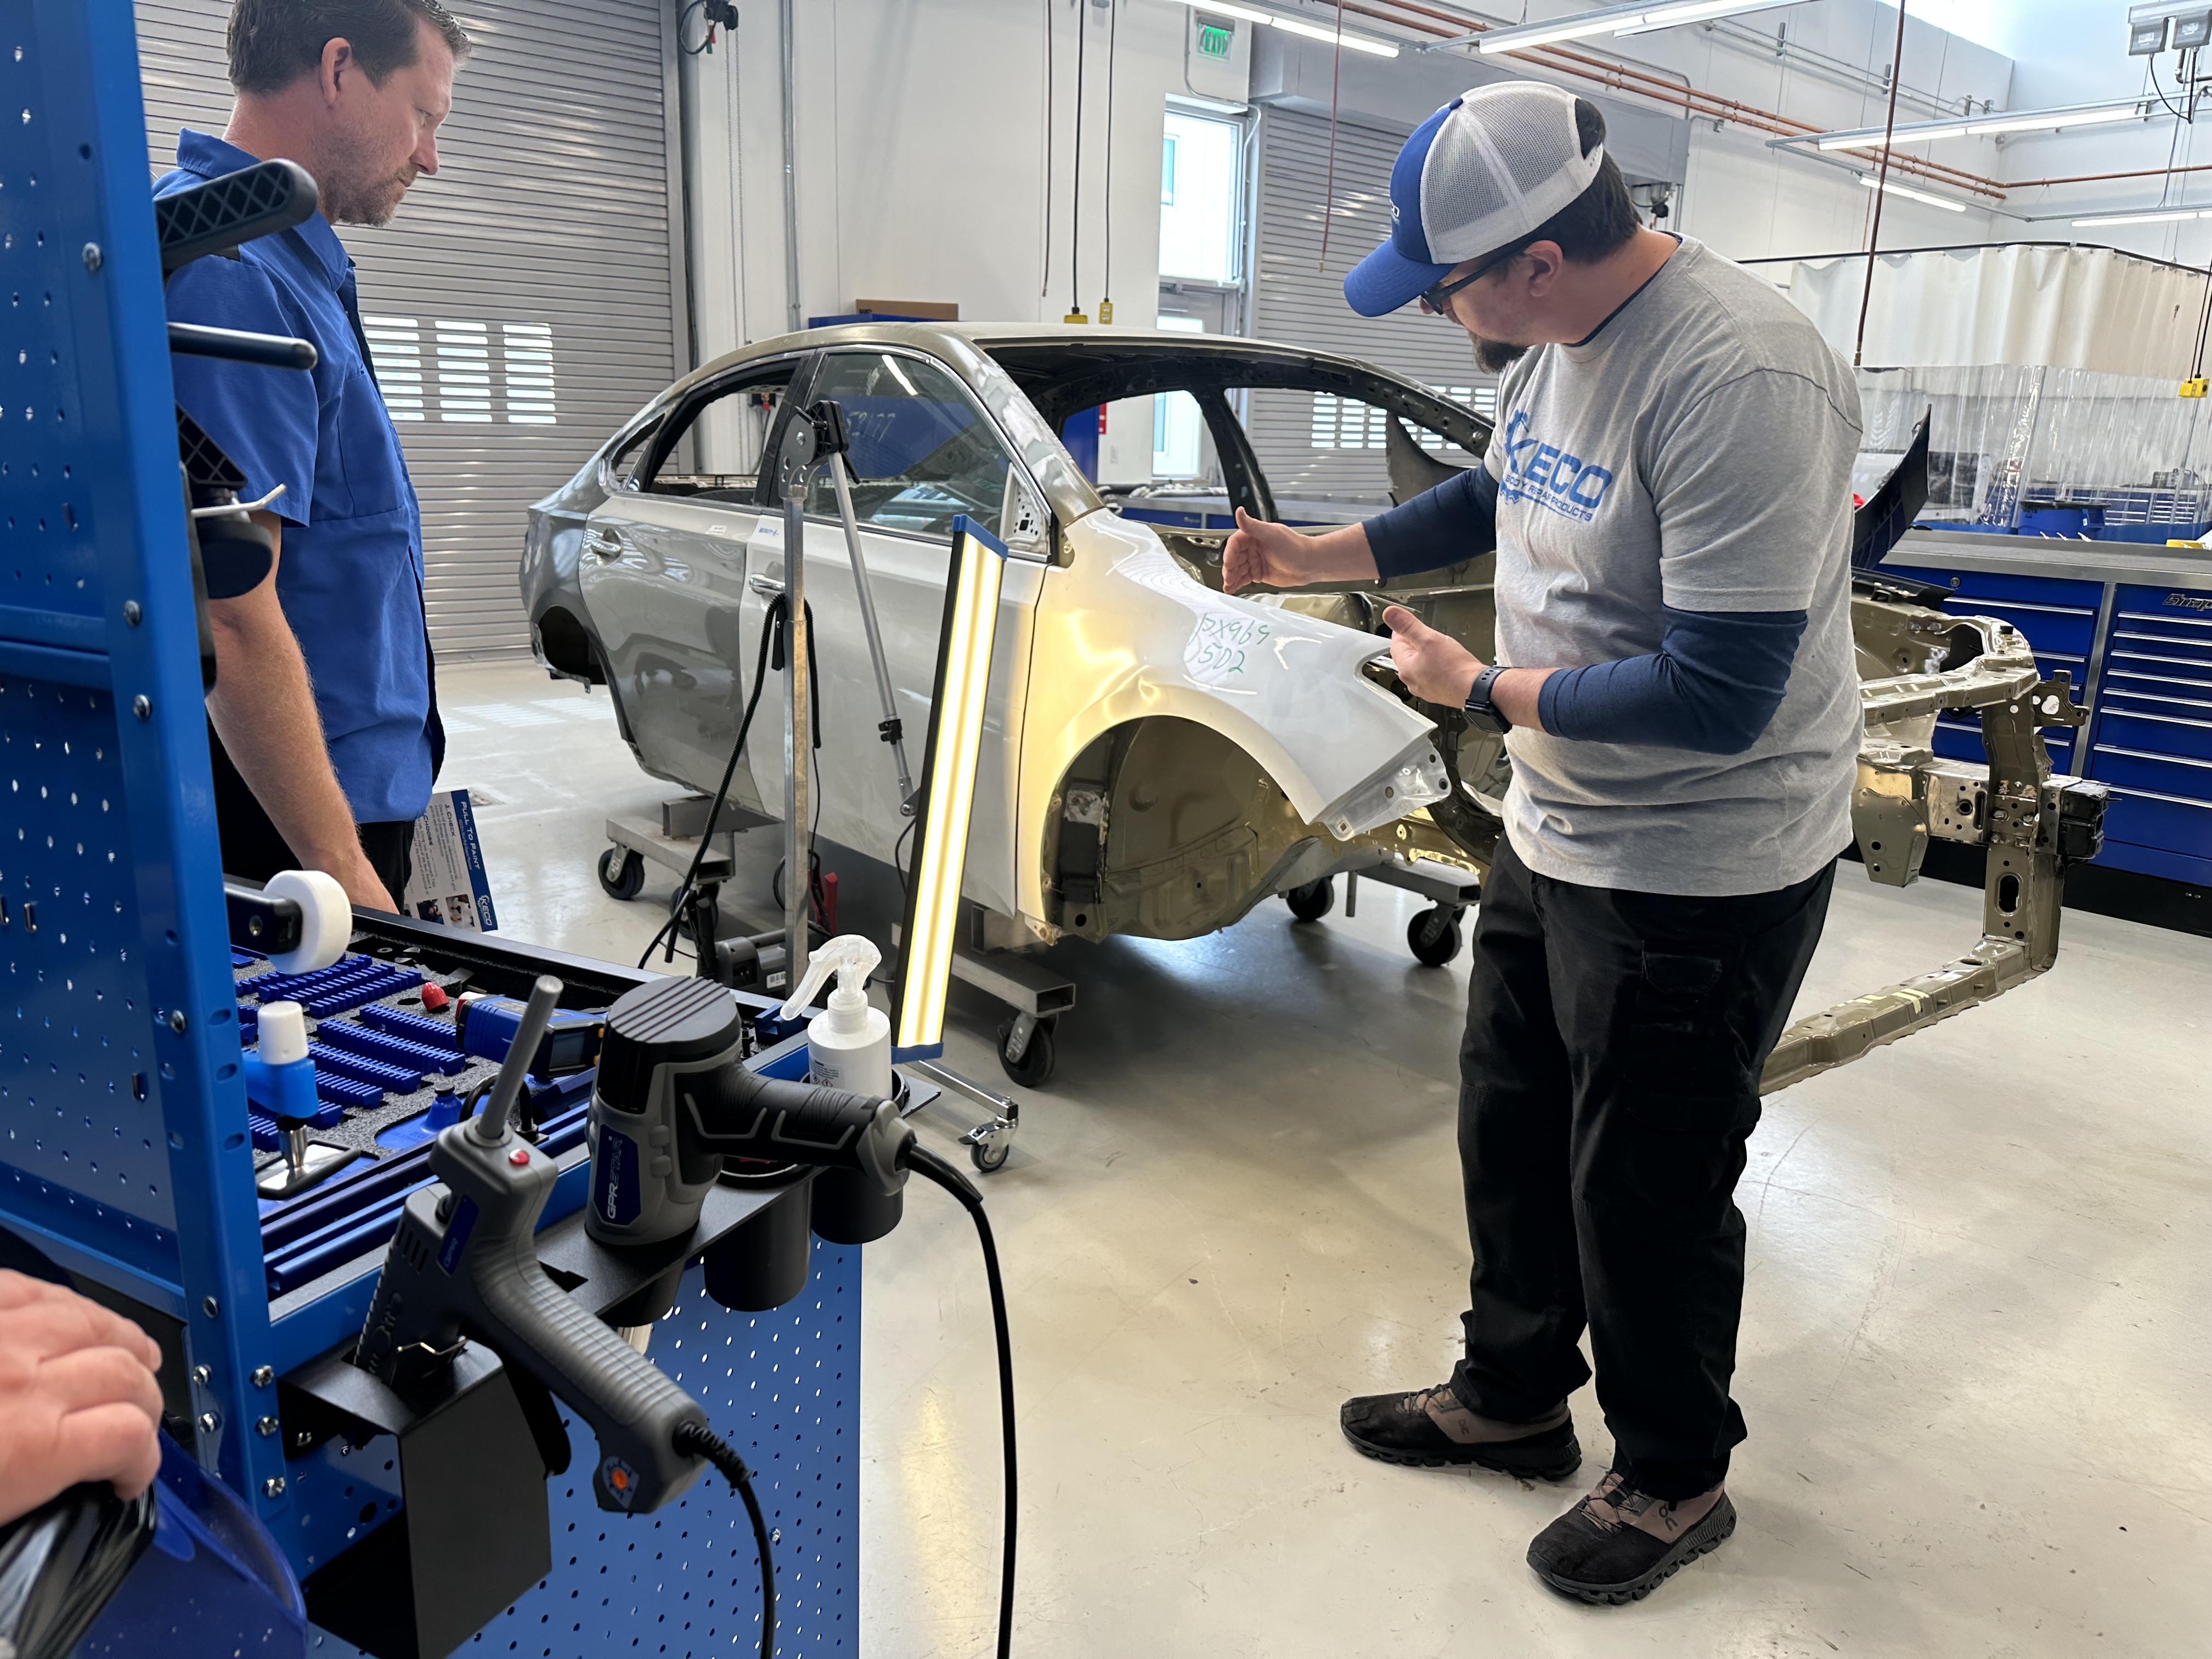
1974 1356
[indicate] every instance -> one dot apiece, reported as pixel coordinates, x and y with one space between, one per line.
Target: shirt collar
210 157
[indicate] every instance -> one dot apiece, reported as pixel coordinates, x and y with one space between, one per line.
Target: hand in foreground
1272 556
78 1400
1436 667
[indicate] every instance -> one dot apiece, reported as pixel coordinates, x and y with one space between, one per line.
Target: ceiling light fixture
2163 215
1985 126
1366 43
1888 189
1639 18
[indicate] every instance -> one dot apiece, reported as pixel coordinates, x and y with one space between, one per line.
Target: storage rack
128 1157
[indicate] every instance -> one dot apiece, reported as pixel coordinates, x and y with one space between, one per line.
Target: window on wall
1347 423
1198 175
1176 453
451 370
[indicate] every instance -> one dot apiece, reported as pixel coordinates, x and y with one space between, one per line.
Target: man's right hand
78 1400
1268 555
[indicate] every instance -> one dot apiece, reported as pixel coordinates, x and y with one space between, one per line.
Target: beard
1494 356
349 198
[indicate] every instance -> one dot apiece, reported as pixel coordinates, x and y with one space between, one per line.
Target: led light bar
1351 42
948 788
1887 189
2030 120
2162 215
1638 19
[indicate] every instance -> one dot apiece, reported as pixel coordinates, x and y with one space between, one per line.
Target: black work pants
254 849
1609 1080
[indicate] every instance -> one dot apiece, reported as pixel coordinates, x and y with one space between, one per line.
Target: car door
663 575
922 452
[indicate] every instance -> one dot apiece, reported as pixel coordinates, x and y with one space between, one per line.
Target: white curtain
2062 307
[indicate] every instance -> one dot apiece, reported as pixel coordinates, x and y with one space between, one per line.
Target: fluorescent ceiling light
1358 43
1639 19
1353 42
2163 215
1886 189
2030 120
948 788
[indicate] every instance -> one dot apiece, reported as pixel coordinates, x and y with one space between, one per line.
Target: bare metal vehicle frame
1161 758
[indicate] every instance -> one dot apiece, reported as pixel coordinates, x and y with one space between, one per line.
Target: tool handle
545 996
740 1113
633 1408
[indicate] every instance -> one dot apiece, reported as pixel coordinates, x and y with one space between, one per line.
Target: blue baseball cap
1484 171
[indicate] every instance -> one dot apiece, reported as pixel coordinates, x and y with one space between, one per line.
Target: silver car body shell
1098 627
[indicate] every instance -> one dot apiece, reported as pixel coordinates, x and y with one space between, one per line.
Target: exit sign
1214 39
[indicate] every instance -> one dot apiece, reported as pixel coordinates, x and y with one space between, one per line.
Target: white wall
921 159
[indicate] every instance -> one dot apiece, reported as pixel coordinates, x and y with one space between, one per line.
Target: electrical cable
1880 185
1075 203
1113 34
714 811
1051 97
926 1162
698 1440
1329 190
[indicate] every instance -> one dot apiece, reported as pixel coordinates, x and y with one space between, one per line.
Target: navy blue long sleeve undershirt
1712 686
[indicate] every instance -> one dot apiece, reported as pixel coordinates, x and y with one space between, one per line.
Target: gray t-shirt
1695 452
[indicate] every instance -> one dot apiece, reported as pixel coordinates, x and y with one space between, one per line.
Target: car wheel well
567 646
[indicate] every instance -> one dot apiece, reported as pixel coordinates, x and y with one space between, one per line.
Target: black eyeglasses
1438 295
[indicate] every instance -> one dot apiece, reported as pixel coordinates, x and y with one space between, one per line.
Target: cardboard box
447 882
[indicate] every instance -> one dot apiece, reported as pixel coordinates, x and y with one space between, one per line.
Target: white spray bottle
848 1046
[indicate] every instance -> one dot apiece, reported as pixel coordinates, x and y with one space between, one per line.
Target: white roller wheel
325 919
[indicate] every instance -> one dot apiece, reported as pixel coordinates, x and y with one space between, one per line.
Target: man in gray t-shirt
1668 495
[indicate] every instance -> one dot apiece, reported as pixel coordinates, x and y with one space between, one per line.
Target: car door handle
767 586
605 544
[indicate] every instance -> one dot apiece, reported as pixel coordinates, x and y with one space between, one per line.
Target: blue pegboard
123 1133
783 1388
120 1033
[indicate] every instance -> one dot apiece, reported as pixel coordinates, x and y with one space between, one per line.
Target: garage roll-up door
524 302
1310 444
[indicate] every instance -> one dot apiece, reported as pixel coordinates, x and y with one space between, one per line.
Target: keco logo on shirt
1547 476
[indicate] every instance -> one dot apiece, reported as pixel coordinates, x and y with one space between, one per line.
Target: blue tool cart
2132 626
130 1153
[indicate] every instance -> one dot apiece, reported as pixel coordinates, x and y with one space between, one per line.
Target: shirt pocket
371 471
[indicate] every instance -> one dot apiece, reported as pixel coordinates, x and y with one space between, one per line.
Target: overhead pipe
1647 84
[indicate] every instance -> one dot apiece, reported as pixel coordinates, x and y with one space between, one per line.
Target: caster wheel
989 1159
1313 900
622 874
1035 1067
1433 936
714 915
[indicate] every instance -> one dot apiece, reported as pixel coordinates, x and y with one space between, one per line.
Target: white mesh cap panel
1505 162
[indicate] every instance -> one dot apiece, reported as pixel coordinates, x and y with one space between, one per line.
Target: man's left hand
1436 667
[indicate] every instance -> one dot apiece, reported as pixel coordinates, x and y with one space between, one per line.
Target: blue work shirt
350 573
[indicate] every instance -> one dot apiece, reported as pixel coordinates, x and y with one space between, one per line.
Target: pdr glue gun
463 1266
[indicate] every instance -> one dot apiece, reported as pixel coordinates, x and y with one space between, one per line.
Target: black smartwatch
1482 714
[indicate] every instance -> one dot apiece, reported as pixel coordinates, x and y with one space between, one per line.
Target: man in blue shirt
327 732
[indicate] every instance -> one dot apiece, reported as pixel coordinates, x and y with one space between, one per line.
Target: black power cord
924 1162
698 1440
714 811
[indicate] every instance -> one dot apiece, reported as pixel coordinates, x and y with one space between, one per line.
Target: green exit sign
1215 41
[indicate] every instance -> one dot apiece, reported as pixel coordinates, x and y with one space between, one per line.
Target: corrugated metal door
525 302
1309 443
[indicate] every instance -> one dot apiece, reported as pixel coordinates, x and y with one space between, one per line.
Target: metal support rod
875 634
784 24
797 735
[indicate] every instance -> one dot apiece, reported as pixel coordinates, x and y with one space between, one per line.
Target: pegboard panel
79 1094
125 1151
784 1389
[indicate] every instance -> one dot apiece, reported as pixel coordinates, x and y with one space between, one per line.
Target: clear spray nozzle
849 956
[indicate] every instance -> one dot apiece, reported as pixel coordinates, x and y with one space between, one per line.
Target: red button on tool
434 997
519 1156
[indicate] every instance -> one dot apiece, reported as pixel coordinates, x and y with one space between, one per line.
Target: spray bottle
848 1046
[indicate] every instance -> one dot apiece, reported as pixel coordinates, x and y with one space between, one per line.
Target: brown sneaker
1432 1430
1619 1544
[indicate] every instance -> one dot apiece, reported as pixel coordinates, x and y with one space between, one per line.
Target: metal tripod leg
890 727
798 738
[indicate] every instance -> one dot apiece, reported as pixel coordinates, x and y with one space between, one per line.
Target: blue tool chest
2139 652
